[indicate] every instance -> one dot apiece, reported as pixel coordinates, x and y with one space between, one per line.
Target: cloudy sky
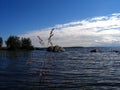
76 22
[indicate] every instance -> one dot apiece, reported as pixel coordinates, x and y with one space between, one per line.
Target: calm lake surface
74 69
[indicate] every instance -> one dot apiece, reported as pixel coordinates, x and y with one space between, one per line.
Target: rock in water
55 49
50 48
94 50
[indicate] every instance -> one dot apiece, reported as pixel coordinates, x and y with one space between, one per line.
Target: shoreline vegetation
16 43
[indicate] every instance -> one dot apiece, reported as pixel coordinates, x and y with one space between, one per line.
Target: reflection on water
75 69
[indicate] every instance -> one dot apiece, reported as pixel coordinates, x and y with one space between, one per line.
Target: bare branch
41 41
52 31
49 39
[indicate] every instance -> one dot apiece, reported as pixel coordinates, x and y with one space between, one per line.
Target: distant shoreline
44 48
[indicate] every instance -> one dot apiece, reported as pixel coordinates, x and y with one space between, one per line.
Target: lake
74 69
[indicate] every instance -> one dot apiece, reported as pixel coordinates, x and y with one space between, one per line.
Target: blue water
74 69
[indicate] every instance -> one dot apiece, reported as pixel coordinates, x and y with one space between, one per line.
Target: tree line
15 43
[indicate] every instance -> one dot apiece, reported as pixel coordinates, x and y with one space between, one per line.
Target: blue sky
18 17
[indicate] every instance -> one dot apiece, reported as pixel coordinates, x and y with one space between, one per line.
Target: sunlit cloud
96 31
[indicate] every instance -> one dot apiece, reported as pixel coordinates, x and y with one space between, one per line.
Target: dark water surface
74 69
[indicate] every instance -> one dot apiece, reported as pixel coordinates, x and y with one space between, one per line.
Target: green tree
26 44
13 43
1 41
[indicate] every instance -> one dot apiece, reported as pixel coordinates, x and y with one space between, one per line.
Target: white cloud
97 31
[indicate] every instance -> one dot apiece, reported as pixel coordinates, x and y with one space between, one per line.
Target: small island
16 43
